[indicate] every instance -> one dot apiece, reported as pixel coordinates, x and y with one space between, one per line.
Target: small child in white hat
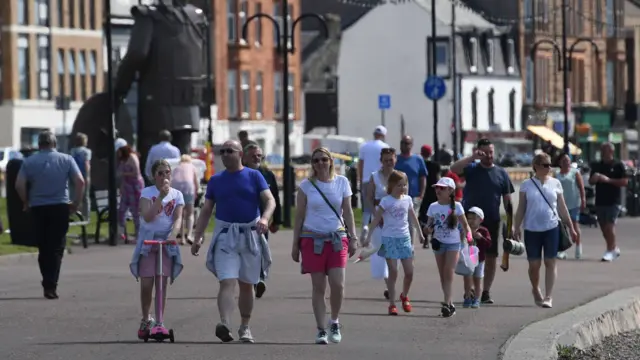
482 239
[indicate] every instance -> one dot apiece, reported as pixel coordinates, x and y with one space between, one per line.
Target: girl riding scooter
160 218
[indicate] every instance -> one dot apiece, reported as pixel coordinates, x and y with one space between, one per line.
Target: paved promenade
98 313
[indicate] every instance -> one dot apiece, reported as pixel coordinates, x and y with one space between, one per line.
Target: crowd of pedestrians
406 201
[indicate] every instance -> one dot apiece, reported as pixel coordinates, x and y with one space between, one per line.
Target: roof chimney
334 26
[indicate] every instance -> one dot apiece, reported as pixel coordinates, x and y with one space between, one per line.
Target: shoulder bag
565 239
331 207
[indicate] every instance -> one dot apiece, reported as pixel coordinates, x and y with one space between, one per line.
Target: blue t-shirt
415 168
48 173
237 194
484 188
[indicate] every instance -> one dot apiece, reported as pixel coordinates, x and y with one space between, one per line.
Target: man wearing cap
415 169
486 186
369 161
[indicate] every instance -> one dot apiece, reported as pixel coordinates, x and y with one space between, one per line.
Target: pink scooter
158 332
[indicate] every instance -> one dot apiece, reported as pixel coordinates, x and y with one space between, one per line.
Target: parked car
7 154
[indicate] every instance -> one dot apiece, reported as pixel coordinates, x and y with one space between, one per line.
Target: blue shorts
396 247
448 247
608 214
574 214
189 199
537 241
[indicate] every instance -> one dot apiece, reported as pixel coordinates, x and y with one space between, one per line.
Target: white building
386 50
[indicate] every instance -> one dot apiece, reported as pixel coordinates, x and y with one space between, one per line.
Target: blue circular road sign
434 88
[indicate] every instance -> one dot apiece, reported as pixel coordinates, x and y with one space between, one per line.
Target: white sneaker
611 255
322 338
579 251
561 255
335 336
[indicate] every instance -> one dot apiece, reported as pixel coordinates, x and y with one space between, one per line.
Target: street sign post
384 103
434 88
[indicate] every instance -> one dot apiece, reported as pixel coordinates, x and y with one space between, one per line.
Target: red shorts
321 263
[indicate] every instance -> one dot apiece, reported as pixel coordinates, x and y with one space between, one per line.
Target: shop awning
551 136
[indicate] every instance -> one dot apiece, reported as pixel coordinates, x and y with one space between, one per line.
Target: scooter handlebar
160 242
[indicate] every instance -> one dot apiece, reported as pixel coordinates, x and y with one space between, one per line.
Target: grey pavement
98 313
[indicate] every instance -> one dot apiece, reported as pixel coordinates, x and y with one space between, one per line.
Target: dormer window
511 56
473 55
490 55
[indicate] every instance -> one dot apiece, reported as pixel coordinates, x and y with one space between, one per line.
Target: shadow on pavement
385 315
22 299
140 342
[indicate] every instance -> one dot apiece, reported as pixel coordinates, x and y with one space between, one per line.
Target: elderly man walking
253 158
42 187
162 150
239 251
369 161
414 167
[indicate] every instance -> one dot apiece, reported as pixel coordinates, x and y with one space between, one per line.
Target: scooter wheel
171 337
146 338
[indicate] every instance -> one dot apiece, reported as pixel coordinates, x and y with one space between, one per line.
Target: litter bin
633 195
20 222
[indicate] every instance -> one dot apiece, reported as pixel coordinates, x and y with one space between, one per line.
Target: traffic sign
434 88
384 102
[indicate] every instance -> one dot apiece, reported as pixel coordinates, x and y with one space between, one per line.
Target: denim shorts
478 273
574 214
447 247
537 241
608 214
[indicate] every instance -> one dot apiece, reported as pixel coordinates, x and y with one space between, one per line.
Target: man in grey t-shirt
82 156
47 174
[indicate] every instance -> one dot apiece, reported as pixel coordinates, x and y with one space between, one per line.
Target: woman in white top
376 190
540 203
320 236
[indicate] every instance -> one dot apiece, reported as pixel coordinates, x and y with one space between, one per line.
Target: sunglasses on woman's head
319 160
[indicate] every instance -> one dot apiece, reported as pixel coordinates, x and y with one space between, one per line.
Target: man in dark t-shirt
609 176
433 175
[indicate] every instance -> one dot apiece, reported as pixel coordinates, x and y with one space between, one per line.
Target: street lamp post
283 48
564 64
111 131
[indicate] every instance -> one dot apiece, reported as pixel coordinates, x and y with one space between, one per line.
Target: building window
72 13
259 95
245 86
577 80
277 93
232 25
473 55
290 94
289 25
512 109
232 93
529 86
92 71
541 80
578 17
23 12
474 108
72 75
542 15
442 57
44 82
492 108
490 55
278 18
511 56
61 13
42 12
243 15
23 66
92 15
610 20
258 25
611 74
82 65
82 13
599 26
61 79
596 94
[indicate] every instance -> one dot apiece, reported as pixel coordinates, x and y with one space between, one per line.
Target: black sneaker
386 294
447 310
261 287
486 298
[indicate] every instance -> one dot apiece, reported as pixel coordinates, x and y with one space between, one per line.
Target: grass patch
7 248
567 352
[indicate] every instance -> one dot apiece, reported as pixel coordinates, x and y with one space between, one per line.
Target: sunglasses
163 173
546 166
386 151
228 151
319 160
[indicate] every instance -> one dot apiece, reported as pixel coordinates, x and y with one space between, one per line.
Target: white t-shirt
396 216
164 221
441 230
538 216
319 217
370 154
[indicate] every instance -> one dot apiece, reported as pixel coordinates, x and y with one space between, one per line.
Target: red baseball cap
426 150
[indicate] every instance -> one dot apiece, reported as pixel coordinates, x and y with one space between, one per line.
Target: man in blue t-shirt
486 185
238 252
413 165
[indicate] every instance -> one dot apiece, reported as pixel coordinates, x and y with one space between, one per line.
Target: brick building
45 44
